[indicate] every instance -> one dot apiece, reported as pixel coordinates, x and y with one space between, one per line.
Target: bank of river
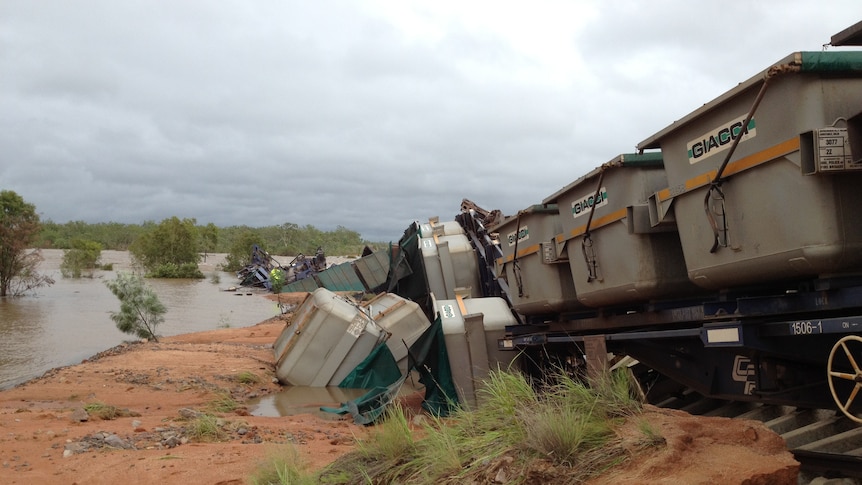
70 321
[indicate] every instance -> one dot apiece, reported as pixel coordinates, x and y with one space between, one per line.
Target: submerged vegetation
169 250
563 433
81 259
19 229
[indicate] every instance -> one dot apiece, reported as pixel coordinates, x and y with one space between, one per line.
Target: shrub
102 411
284 467
240 251
169 250
224 403
83 256
174 270
248 378
277 279
140 309
514 427
206 427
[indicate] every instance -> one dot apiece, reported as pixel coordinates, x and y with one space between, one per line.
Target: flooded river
70 321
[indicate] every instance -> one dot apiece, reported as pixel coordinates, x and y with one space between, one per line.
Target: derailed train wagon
728 262
764 181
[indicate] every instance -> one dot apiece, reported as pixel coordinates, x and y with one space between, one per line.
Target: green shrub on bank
140 309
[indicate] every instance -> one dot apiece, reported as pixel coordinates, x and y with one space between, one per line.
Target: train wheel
842 348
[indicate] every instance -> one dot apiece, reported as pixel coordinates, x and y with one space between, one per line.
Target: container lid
850 36
625 160
551 209
844 62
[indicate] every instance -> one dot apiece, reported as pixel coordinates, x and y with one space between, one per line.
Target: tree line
171 248
285 239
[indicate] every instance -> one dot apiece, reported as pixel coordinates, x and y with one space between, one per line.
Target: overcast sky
364 114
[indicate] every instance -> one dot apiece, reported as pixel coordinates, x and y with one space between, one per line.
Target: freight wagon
723 259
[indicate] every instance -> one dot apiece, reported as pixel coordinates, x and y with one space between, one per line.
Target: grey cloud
328 113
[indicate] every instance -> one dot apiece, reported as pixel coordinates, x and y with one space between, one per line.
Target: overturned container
764 181
615 255
534 267
403 320
326 339
471 329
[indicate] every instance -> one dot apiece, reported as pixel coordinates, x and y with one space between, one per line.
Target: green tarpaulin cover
380 374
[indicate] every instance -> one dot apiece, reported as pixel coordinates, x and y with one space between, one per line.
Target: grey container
450 266
472 328
436 228
327 338
616 256
402 320
789 197
536 272
373 269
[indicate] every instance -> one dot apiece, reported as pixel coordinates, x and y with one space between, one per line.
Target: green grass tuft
248 378
224 403
569 425
283 466
102 410
205 428
651 437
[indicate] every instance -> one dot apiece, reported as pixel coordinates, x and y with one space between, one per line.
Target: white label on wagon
523 235
833 150
357 325
448 311
583 205
719 139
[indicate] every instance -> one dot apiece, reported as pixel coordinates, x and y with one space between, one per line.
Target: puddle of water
293 400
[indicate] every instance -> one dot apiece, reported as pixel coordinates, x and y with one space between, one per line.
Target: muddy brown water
293 400
70 321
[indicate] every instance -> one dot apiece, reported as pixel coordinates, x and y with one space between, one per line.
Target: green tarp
841 61
407 277
379 369
380 374
428 356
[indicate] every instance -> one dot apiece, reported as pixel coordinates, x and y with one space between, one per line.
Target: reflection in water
21 329
70 321
303 400
293 400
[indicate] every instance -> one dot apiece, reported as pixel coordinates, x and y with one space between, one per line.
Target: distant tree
288 234
209 238
140 309
19 227
169 250
83 256
240 252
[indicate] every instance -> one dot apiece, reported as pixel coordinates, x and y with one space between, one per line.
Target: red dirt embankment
44 439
